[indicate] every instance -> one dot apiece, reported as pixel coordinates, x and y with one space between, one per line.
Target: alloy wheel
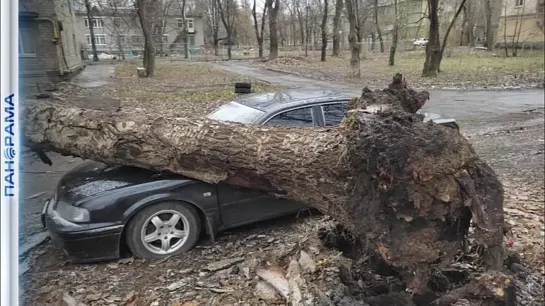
164 232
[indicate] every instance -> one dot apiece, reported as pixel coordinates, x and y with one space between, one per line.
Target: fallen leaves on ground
463 69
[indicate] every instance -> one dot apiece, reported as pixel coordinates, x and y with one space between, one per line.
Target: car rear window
236 112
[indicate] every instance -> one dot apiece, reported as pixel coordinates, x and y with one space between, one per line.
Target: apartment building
524 17
117 31
48 49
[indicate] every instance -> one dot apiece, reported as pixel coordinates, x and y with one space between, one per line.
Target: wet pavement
94 75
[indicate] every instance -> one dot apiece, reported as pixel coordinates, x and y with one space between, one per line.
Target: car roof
273 101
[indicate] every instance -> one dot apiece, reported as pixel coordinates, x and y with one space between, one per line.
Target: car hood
92 178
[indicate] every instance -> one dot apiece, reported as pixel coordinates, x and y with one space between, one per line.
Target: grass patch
180 87
459 68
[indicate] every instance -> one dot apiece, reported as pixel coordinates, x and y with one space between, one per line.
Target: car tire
243 90
143 225
243 85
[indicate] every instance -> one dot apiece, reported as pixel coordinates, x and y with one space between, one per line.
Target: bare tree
337 28
434 48
353 38
184 31
273 6
302 26
467 37
144 8
450 26
395 35
89 12
212 22
377 27
160 22
228 13
259 29
517 30
489 27
324 30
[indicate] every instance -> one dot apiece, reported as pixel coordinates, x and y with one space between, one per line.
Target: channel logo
9 153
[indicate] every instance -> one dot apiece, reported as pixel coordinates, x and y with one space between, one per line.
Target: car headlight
72 213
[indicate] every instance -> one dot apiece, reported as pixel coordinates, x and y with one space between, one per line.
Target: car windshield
236 112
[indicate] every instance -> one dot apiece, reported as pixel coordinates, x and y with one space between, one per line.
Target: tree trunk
337 28
406 188
489 26
89 12
149 45
393 47
433 48
353 39
377 27
324 31
273 27
259 32
120 45
470 24
229 50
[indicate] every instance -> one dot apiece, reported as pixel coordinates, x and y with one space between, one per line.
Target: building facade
48 48
521 21
118 31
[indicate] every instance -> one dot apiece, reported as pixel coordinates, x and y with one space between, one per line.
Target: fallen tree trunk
406 188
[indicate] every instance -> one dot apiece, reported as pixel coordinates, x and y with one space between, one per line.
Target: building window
97 23
75 44
117 21
163 23
519 2
100 39
28 38
137 39
190 22
122 39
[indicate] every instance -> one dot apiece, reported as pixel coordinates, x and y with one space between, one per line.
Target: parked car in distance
421 42
96 208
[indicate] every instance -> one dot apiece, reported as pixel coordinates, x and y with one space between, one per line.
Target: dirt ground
509 136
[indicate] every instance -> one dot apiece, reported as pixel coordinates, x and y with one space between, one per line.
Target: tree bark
259 31
337 28
489 26
433 48
273 7
324 31
143 8
89 12
393 47
406 188
353 39
377 27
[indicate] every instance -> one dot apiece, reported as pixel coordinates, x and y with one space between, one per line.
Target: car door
333 113
241 205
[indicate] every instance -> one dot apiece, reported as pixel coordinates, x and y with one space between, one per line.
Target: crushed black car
96 208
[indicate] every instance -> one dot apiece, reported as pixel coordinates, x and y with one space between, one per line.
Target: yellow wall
529 29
